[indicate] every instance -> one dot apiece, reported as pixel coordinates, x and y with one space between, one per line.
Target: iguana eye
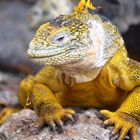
61 38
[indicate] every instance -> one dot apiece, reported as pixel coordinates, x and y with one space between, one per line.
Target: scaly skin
88 67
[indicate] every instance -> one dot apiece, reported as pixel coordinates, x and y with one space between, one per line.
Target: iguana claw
123 123
59 119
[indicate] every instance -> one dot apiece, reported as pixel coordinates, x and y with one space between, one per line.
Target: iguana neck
80 76
89 74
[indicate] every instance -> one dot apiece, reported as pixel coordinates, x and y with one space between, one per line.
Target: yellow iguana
86 65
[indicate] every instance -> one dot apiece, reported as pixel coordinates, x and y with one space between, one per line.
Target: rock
46 10
132 42
15 36
8 88
30 1
20 126
123 13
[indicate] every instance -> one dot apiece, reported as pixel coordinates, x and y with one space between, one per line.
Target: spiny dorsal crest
84 4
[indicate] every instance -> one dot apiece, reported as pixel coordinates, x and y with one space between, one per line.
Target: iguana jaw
57 55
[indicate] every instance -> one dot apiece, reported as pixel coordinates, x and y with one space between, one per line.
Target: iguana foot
57 119
122 122
6 112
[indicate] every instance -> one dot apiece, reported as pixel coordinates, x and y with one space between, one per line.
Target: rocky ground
14 36
8 88
20 126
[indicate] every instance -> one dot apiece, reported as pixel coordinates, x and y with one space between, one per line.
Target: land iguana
86 65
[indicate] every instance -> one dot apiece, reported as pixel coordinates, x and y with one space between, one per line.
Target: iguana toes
86 65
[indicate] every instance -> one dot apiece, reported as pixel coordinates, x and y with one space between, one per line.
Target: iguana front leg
126 118
48 109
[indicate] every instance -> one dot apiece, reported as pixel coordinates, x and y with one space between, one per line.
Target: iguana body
88 67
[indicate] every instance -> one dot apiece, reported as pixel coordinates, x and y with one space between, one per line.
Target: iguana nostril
30 53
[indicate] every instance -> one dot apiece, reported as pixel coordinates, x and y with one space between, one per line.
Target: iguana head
64 40
81 40
60 41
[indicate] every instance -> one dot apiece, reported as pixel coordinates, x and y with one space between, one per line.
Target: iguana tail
84 4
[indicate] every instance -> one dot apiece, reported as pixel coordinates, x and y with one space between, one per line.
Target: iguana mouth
32 54
52 51
57 56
